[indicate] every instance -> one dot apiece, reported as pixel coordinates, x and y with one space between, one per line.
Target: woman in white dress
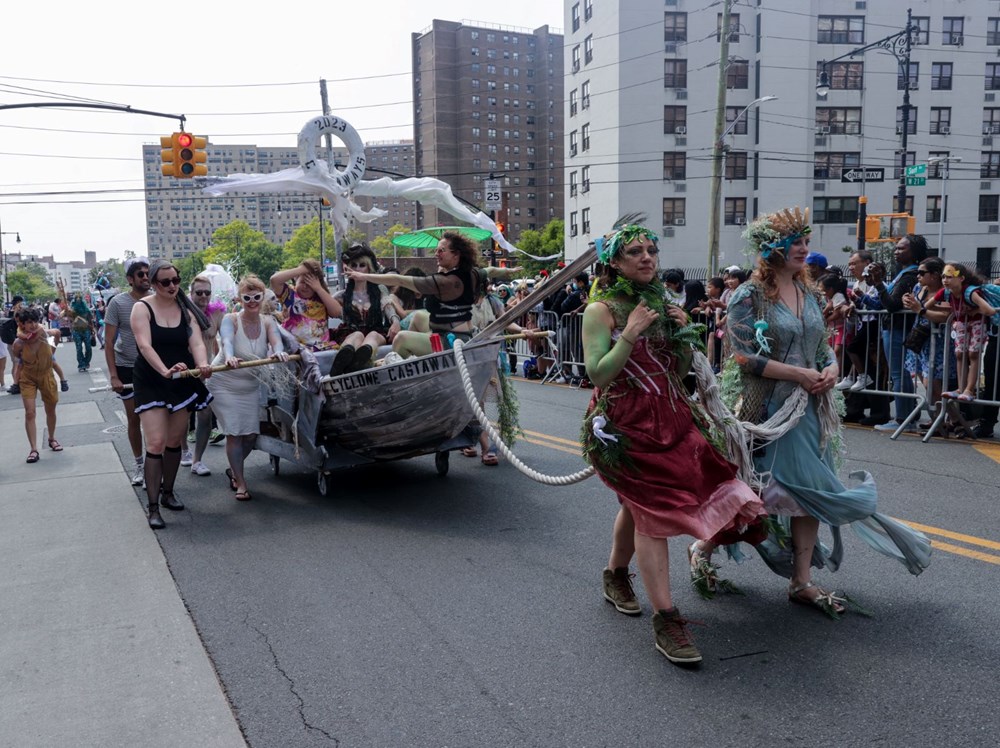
246 335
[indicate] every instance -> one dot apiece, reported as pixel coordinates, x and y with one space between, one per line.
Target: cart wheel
441 463
321 483
275 464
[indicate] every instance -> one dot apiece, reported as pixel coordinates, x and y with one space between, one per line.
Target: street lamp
899 46
716 197
946 160
3 262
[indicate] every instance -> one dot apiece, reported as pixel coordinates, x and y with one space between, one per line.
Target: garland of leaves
653 293
508 409
608 456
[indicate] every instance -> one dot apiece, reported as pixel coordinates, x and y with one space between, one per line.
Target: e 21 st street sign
858 174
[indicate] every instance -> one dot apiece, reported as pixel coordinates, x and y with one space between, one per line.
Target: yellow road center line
970 539
550 445
557 439
990 450
978 555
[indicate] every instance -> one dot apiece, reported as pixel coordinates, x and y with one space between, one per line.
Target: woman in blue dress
779 342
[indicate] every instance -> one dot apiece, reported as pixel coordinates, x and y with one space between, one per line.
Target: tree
241 250
190 266
548 242
304 244
30 280
383 246
113 270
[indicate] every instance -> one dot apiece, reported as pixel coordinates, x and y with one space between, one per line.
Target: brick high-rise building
488 99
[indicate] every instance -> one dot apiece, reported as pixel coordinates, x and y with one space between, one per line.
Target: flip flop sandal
490 459
32 456
55 446
232 479
470 451
243 496
965 397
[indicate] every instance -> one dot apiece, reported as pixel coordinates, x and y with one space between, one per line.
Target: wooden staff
535 335
108 388
242 365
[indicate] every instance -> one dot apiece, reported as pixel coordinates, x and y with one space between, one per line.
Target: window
572 184
901 76
921 30
576 58
952 31
475 132
475 82
675 27
830 165
491 54
911 159
843 76
675 73
735 211
674 210
474 51
585 137
940 120
572 143
993 32
585 221
491 132
588 9
674 165
575 14
991 121
585 179
840 30
588 50
573 228
732 112
911 123
933 214
941 76
736 165
734 27
992 76
935 170
674 117
572 103
835 210
989 167
585 95
475 99
491 100
845 121
738 74
989 207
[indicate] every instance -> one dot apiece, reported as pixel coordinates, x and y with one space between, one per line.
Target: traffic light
496 246
185 157
873 229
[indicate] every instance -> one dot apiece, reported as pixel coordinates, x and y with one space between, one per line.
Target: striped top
118 314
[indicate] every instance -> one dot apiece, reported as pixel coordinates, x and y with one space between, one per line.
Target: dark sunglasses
166 282
248 297
141 273
922 272
202 293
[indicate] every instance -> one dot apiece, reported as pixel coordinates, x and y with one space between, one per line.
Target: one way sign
862 175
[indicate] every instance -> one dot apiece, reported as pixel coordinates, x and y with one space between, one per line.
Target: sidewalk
96 645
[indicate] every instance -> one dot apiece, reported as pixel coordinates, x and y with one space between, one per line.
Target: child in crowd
968 326
836 313
35 375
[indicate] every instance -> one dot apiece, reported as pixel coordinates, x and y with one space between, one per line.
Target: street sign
494 197
916 181
916 170
862 175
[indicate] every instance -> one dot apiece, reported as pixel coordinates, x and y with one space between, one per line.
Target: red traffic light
184 140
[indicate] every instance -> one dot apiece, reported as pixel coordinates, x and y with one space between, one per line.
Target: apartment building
641 99
487 99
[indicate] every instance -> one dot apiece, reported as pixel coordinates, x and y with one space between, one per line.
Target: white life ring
309 137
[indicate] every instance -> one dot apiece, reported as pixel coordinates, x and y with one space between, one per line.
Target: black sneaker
14 389
984 431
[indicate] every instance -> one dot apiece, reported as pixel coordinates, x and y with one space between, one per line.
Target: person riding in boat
369 318
308 304
450 293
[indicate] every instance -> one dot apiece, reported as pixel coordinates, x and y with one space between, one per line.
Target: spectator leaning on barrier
910 251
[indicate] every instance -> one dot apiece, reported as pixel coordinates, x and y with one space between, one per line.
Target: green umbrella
426 238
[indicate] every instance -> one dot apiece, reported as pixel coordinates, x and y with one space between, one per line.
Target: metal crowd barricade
987 393
524 349
569 341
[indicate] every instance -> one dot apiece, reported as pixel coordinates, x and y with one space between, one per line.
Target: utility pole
325 102
718 152
907 43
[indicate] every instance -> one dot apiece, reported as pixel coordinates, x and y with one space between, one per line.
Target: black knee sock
153 470
171 462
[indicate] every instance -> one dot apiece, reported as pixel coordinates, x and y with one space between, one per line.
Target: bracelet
630 342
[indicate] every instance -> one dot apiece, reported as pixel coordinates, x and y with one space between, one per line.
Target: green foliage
304 244
382 246
30 280
113 269
191 265
241 250
547 242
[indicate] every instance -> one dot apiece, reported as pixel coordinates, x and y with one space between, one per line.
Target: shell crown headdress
777 231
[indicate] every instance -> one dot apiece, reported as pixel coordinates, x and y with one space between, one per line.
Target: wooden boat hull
406 409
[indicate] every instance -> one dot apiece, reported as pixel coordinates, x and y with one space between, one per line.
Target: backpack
8 331
990 292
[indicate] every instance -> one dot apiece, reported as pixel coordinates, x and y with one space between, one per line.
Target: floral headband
609 246
777 231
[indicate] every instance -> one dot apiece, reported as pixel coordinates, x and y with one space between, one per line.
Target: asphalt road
405 609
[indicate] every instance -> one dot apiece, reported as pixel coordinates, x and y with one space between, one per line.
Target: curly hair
766 274
468 256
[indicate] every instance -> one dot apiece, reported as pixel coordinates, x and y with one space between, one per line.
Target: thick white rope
484 421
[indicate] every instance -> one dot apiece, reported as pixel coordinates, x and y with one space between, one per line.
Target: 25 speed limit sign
494 197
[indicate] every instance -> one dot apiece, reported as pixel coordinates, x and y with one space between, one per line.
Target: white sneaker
862 384
200 468
846 383
186 458
139 476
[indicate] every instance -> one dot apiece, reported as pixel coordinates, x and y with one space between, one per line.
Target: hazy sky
126 53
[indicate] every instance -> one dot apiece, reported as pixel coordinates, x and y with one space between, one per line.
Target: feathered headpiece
625 231
777 231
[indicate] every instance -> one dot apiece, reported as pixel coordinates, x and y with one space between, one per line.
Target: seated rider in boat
307 304
369 317
449 293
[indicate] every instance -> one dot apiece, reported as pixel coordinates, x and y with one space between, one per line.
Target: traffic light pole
111 107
